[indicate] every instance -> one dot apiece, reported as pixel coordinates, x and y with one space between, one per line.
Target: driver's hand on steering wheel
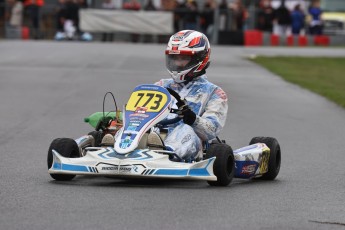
186 114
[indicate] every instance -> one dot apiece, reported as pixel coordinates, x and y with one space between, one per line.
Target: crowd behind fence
45 21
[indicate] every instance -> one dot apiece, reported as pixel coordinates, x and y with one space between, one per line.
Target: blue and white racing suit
209 102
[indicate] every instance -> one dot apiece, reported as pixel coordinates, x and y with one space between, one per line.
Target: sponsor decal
174 51
248 169
121 169
125 142
210 127
219 114
151 87
134 124
186 139
135 168
248 157
138 115
178 38
131 128
140 110
221 94
264 161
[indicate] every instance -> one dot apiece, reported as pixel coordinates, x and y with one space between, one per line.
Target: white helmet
193 47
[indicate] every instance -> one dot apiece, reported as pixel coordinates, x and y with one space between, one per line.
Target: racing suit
209 103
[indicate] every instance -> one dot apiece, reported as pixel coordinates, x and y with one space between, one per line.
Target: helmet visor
180 62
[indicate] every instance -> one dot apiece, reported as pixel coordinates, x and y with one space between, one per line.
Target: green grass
325 76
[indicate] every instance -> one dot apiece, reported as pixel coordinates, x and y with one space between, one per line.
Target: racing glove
186 114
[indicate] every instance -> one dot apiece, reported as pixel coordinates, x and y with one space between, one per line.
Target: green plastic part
94 118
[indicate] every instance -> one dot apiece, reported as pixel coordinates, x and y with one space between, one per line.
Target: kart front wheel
66 147
275 156
224 165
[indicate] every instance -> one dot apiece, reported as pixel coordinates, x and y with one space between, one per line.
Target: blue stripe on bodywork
198 172
67 167
171 172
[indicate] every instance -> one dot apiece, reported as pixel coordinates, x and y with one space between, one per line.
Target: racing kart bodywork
133 156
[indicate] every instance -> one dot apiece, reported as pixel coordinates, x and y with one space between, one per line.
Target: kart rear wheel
275 156
66 147
224 165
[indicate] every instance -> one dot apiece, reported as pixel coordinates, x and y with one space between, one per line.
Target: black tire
97 135
275 156
67 148
224 166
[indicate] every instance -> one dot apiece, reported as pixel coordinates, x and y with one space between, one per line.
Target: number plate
146 101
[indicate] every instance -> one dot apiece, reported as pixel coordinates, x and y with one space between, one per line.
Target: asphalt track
47 88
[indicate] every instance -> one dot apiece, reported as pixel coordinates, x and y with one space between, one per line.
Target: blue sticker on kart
143 108
245 169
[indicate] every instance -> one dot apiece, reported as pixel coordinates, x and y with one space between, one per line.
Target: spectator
132 5
60 16
282 20
239 15
2 13
265 16
315 25
84 36
179 14
150 6
108 5
71 19
297 18
223 15
13 28
33 10
207 17
82 4
168 5
191 16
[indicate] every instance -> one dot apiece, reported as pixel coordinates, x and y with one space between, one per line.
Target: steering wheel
179 104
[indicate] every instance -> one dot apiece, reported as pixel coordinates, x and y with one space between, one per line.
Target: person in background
15 19
60 15
315 25
239 15
82 4
179 14
223 15
265 16
191 16
297 18
71 20
207 17
282 20
33 10
136 6
150 6
108 5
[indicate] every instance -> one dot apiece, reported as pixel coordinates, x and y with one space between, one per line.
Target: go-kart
133 155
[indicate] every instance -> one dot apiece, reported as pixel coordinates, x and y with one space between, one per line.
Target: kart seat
155 141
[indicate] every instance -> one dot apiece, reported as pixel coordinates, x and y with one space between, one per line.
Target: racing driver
204 114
